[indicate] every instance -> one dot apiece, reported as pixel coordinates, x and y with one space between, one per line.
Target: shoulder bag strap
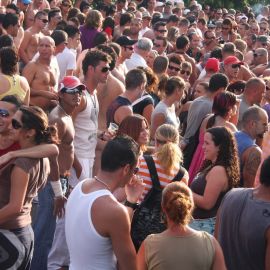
152 170
179 175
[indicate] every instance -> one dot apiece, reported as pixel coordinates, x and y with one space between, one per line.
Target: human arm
147 112
216 182
141 258
218 262
122 113
251 163
25 43
38 151
157 121
25 85
19 181
267 252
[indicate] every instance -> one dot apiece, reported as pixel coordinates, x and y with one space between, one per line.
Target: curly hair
152 79
227 155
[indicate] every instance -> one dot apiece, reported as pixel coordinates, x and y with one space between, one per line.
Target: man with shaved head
43 76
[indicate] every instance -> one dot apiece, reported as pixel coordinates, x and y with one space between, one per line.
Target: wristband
57 188
134 206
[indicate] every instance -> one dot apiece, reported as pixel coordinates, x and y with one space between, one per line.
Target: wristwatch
134 206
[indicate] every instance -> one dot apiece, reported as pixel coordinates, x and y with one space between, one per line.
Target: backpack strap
152 170
179 175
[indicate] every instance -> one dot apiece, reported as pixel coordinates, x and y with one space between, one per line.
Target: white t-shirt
66 61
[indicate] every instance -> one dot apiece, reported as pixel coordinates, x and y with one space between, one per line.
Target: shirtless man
32 36
42 77
70 93
35 6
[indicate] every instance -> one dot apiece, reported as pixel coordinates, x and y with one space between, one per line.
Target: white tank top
88 249
86 126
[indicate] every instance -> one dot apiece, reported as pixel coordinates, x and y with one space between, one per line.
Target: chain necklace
63 110
101 182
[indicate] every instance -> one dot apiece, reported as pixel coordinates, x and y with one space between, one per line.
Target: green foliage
237 4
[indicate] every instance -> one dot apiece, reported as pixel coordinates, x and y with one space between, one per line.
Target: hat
232 60
243 17
146 14
212 64
262 39
168 3
27 2
160 4
186 11
125 41
71 82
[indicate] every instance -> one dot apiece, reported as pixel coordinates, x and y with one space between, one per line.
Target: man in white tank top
97 226
85 119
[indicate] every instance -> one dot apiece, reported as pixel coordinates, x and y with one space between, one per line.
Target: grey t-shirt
199 108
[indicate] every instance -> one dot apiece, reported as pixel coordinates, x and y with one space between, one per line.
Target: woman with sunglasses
20 181
179 246
165 111
11 82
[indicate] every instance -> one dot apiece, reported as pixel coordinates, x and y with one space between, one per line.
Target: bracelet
134 206
57 188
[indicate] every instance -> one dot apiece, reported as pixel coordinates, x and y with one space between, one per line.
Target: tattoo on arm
252 163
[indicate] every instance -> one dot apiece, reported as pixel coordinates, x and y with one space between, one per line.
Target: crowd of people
134 135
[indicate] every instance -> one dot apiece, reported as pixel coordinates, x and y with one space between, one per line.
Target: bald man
43 76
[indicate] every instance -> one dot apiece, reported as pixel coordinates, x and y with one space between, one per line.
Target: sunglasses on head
174 68
15 124
105 69
236 65
4 113
72 91
185 71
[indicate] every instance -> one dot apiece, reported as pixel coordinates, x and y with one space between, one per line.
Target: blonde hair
93 19
168 153
177 203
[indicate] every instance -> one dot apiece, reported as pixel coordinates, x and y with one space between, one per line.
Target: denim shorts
207 225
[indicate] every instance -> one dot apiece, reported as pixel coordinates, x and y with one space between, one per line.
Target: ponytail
170 156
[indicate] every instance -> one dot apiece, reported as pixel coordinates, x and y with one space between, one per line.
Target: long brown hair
227 155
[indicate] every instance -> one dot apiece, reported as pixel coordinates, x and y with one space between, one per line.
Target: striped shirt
164 178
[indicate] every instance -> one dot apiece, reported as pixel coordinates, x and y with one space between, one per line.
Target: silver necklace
63 110
100 181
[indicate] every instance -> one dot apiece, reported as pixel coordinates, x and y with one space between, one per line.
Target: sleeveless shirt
88 249
86 126
15 87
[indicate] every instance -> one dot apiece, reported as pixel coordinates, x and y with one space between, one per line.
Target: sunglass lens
4 113
15 124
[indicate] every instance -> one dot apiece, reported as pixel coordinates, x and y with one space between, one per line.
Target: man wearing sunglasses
29 45
232 67
70 93
260 61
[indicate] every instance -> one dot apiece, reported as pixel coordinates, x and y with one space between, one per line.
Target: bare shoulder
218 169
115 85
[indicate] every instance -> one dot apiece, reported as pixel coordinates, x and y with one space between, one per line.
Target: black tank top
115 105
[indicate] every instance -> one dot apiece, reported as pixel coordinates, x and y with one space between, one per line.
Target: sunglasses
225 28
135 171
174 68
212 38
15 124
44 20
162 31
4 113
66 5
256 54
236 65
185 71
105 69
129 48
72 91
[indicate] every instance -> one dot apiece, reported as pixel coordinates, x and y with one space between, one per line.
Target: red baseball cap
232 60
71 82
212 64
